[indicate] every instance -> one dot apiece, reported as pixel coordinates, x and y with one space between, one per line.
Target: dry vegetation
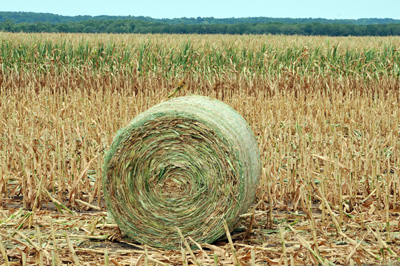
324 110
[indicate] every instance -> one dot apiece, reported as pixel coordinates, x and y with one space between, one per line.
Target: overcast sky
340 9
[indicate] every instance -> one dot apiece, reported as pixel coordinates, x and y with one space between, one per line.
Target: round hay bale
187 163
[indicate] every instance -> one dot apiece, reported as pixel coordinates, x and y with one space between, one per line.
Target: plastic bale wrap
187 163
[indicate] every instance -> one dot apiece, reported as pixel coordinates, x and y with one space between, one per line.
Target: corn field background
325 112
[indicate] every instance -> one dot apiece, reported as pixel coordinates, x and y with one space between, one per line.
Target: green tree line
31 17
138 26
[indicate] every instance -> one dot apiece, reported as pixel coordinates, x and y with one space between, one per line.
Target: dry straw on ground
187 164
324 112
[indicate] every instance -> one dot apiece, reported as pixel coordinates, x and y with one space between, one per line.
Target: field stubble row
330 136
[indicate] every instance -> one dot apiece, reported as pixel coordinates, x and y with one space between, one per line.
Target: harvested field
325 112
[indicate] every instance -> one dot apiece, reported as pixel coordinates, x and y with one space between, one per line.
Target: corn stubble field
325 112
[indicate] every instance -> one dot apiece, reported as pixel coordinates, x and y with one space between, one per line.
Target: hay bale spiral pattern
187 163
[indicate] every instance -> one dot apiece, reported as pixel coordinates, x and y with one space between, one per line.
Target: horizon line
233 17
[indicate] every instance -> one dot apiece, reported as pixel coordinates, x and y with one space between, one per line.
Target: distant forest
45 22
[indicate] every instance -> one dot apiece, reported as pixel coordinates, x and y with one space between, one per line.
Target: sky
331 9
